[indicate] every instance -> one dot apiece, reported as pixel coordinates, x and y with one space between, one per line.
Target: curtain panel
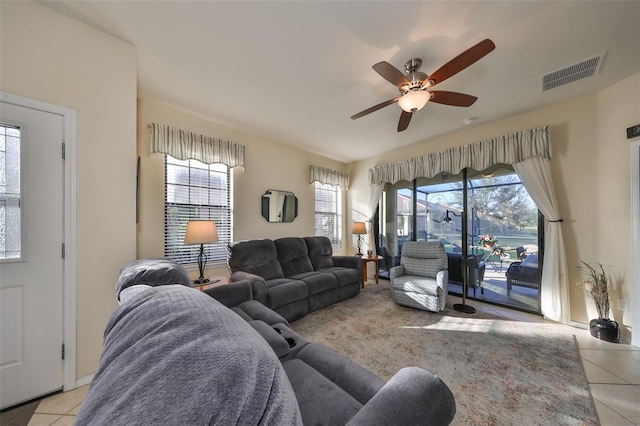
185 145
328 176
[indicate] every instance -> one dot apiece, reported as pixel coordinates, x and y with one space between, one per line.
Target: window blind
196 191
328 213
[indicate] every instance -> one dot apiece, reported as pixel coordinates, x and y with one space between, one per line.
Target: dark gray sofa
173 355
293 275
330 388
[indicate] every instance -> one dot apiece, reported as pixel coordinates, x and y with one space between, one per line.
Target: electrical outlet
622 305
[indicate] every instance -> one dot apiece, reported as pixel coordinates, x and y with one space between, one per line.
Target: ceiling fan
413 86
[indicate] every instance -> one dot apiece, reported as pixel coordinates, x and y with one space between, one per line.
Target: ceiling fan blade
374 108
452 98
460 62
390 73
405 119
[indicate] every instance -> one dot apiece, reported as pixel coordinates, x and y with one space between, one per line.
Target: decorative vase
605 329
487 245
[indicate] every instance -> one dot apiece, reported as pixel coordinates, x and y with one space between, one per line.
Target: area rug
501 372
19 416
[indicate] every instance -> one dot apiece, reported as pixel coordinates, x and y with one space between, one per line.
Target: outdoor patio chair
524 274
387 263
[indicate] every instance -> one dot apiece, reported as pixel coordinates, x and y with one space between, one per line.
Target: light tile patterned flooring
613 373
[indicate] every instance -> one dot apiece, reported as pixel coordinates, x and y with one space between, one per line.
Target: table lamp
359 228
201 232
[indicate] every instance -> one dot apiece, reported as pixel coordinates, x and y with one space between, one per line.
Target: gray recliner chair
420 281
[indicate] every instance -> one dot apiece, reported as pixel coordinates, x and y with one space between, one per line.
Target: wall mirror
279 206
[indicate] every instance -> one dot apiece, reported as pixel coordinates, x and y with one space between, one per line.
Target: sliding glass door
503 232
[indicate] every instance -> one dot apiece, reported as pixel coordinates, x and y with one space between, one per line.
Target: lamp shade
201 232
414 100
359 228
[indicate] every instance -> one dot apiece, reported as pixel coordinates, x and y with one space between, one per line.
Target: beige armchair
420 281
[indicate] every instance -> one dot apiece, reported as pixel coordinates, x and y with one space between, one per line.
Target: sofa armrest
258 285
396 271
442 278
231 294
413 396
347 261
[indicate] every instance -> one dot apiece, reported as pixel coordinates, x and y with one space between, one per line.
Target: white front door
31 263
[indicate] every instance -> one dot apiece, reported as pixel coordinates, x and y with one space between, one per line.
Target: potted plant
487 240
595 282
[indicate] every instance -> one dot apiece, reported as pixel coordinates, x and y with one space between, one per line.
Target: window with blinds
328 210
196 191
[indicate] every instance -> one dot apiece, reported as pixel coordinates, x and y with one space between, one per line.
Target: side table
365 260
213 282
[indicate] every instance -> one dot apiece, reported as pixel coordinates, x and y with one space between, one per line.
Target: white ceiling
296 71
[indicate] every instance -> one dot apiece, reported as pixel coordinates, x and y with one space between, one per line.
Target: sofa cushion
317 281
320 252
282 291
258 257
359 382
344 275
320 400
293 256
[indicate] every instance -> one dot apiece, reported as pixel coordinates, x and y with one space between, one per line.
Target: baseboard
83 381
579 325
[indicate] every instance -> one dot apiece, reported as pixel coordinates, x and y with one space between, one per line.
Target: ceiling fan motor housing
415 77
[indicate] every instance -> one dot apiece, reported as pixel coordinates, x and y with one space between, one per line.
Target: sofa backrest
293 256
423 258
258 257
320 252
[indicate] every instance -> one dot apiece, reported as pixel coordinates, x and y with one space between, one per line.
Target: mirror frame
279 213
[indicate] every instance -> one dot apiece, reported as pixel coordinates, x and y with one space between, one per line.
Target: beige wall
591 173
51 58
269 165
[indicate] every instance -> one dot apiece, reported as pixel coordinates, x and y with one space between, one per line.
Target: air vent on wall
575 72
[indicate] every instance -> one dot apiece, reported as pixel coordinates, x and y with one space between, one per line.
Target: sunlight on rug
502 372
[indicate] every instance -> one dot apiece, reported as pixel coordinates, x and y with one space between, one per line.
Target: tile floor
612 370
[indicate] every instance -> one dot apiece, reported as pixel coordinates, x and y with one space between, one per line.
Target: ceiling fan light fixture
414 100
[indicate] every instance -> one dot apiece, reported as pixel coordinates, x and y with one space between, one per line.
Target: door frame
70 197
635 242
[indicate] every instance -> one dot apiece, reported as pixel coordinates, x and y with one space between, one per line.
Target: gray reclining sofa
174 355
294 276
330 388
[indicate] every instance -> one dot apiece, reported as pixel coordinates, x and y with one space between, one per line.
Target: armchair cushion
425 259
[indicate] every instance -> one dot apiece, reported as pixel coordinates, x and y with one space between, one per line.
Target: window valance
507 149
184 145
328 176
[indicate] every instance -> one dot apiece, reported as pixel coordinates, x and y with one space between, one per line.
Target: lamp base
201 281
464 308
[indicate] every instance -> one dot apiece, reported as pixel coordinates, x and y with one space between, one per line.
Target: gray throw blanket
175 356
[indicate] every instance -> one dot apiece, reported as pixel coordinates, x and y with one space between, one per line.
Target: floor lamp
201 232
462 307
359 228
